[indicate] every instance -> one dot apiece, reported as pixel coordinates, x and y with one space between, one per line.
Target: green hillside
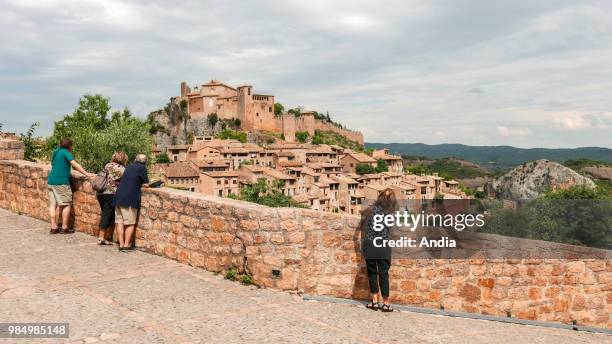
447 167
496 157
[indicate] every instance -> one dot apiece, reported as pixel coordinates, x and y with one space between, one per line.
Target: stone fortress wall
317 253
255 111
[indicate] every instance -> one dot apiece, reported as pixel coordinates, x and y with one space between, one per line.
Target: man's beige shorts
126 215
59 195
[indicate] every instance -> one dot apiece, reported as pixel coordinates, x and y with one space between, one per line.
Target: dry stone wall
318 253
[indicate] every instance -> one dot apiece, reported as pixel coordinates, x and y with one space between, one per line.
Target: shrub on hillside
227 134
364 169
333 138
163 158
381 166
301 136
262 193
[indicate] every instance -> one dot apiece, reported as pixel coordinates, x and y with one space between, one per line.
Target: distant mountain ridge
495 157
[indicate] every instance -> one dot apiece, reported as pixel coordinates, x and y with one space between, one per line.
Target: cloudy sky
527 73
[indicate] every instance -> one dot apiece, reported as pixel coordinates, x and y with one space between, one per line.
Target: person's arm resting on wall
144 178
80 168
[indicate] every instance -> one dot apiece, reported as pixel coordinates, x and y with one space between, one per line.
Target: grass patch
244 279
231 274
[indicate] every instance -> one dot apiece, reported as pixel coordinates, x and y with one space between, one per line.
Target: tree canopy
96 135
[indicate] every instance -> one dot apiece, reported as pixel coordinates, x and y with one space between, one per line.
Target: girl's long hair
386 202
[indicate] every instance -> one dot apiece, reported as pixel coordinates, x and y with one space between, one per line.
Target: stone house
221 184
177 152
211 165
394 162
180 175
349 161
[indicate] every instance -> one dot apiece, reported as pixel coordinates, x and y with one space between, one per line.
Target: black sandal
54 231
373 306
386 308
103 242
67 231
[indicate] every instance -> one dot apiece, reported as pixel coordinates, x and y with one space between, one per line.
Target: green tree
212 119
297 112
163 158
302 136
381 166
91 114
418 169
31 150
364 169
480 194
577 215
96 136
278 109
269 195
438 196
155 126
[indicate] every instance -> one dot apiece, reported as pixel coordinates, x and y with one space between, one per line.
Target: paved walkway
112 297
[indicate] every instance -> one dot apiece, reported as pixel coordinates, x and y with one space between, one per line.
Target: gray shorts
59 195
126 215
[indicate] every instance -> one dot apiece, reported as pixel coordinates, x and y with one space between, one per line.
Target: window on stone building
270 109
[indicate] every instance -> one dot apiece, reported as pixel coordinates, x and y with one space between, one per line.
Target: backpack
100 181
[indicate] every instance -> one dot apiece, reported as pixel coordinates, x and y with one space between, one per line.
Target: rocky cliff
173 125
531 179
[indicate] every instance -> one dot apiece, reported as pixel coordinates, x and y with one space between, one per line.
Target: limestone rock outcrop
531 179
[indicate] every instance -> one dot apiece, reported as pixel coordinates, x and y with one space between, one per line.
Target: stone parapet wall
318 253
11 149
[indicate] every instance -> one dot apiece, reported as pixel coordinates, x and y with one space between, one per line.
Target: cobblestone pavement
112 297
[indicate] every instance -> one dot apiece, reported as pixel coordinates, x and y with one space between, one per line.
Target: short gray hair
141 158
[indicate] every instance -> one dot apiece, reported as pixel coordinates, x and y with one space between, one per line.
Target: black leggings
107 216
378 269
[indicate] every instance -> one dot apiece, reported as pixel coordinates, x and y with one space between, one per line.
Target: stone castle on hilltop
255 111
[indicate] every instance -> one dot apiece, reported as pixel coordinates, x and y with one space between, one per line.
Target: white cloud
512 132
528 73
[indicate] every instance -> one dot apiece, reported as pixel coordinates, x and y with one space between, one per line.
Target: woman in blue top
58 183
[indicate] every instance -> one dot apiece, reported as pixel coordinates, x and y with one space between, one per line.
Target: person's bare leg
120 229
102 234
108 234
375 298
65 216
129 233
53 216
